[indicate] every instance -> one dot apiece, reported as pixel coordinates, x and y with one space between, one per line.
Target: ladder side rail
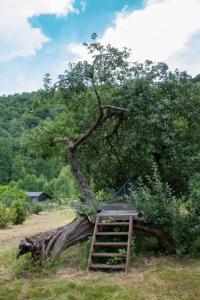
130 233
93 241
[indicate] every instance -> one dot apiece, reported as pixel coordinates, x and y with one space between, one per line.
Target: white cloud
79 52
162 31
17 37
188 57
83 5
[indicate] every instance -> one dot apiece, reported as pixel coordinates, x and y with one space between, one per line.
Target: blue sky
39 36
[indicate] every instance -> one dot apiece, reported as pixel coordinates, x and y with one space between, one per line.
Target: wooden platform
117 214
117 211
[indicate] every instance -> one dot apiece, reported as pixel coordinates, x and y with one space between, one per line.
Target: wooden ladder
98 246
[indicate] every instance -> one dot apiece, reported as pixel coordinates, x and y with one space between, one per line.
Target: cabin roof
34 194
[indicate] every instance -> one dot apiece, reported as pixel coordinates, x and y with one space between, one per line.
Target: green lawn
151 278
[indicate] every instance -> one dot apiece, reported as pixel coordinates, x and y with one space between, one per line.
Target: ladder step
112 233
114 224
109 254
105 266
110 244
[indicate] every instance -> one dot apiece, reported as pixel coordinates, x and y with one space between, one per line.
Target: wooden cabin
38 196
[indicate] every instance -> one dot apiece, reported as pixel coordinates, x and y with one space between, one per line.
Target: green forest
21 167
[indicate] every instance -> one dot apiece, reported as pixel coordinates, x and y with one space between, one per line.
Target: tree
63 187
130 114
5 160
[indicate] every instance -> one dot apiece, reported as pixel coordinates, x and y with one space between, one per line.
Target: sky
43 36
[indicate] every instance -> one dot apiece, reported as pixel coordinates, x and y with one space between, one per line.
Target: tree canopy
162 124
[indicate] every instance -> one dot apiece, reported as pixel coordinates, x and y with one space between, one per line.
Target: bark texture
51 243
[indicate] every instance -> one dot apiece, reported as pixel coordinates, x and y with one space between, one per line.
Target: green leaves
156 201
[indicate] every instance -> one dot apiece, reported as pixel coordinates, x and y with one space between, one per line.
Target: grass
165 278
151 278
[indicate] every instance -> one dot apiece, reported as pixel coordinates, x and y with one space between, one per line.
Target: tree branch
101 119
163 241
116 110
115 128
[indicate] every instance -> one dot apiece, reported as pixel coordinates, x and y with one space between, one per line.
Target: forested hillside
18 166
151 137
13 122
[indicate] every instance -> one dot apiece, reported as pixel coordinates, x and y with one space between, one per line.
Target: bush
31 183
10 194
193 204
63 187
157 203
5 216
188 231
195 247
36 208
19 212
149 244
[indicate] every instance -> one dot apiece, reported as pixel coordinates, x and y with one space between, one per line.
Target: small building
38 196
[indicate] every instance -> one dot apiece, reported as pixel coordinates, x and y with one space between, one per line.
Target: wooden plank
105 266
129 244
115 206
110 244
119 215
93 242
110 213
109 254
111 233
114 224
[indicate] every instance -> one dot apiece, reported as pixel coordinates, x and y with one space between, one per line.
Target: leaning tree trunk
51 243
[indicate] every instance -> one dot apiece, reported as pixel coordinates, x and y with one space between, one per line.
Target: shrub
155 200
63 187
188 231
195 247
85 253
19 212
133 248
27 266
103 196
31 183
5 216
149 244
36 208
193 204
10 194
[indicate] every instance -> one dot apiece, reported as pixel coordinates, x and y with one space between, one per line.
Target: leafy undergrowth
151 278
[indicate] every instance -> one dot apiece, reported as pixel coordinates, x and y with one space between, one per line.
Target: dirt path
34 224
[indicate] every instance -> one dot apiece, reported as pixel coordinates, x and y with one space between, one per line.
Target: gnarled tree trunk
51 243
